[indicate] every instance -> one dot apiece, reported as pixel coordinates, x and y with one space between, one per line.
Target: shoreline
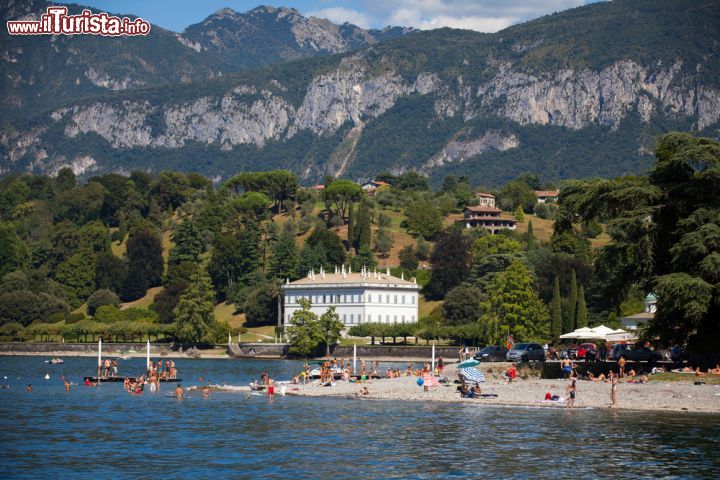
654 396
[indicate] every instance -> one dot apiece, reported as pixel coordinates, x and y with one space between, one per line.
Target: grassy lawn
426 306
542 228
145 301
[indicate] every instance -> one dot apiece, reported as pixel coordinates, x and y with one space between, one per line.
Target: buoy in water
47 376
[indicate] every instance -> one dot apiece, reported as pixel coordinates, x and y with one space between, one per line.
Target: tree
519 214
330 328
494 245
570 310
100 298
556 311
364 258
530 237
14 254
513 307
351 227
517 194
77 275
383 242
110 271
261 307
304 332
279 185
234 260
340 194
582 314
450 259
462 305
284 261
408 260
145 264
252 205
329 244
423 218
363 228
188 244
195 311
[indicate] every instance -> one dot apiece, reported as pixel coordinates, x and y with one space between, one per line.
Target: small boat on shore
55 361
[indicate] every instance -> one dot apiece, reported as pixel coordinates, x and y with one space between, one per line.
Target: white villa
362 297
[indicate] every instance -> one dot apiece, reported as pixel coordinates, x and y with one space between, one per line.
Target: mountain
579 93
43 72
270 35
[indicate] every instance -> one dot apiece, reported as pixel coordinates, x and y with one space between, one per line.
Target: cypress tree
363 229
530 237
581 320
556 320
570 313
351 228
284 261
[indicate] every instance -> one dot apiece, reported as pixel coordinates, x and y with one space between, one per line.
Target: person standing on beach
567 367
621 367
440 365
613 388
572 392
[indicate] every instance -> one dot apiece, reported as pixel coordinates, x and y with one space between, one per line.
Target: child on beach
572 392
613 388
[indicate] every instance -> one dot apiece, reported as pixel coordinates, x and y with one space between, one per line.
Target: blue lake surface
104 432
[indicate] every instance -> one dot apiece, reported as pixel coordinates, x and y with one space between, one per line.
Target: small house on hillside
632 322
545 196
486 199
488 218
370 186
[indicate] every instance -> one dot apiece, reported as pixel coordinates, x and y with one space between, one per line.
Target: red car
586 351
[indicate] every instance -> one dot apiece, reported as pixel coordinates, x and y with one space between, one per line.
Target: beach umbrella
472 375
470 362
147 358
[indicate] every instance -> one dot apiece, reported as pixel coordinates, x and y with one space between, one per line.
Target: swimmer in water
206 391
178 391
29 387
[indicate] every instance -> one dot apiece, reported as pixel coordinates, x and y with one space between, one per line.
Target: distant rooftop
484 195
483 209
547 193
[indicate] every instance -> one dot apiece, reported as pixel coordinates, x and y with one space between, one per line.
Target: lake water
104 432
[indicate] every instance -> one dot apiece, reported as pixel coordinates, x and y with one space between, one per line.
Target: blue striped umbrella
472 375
470 362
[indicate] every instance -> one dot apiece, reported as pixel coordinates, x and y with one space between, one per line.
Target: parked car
678 354
525 352
635 353
494 353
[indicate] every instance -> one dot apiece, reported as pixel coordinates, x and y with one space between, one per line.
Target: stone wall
51 348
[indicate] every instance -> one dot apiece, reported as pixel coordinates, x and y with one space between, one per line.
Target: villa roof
547 193
371 278
484 195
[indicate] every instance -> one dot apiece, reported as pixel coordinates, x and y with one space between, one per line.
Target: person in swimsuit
621 367
572 392
179 392
29 387
206 391
613 388
66 382
440 365
271 387
566 365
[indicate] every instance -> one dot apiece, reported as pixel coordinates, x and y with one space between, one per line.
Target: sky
479 15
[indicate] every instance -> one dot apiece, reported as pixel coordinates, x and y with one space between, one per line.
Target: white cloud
480 15
341 15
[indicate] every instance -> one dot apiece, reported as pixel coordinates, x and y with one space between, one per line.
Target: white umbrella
147 359
602 331
579 333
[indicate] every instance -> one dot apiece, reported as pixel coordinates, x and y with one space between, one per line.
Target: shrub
101 298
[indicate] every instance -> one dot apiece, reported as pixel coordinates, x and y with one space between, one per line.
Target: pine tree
188 245
145 264
530 237
556 320
519 214
195 311
284 260
582 319
450 260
